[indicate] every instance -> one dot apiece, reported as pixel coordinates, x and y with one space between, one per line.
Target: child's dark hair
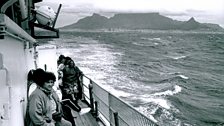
39 76
61 57
30 75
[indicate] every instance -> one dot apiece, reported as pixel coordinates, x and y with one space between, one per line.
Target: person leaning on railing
61 65
71 80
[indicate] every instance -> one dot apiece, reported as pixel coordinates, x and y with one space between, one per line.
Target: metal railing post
45 67
96 111
91 96
81 84
116 120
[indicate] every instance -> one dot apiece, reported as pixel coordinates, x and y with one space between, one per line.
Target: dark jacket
71 75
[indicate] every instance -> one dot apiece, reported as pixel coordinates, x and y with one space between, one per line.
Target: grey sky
204 11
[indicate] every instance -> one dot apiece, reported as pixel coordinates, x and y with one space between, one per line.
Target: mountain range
153 21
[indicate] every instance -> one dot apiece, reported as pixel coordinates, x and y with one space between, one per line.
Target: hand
57 116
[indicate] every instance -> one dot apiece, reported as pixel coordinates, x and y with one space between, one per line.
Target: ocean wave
158 98
161 102
178 74
177 89
183 77
145 73
149 100
159 115
117 93
177 57
150 39
150 114
149 44
174 78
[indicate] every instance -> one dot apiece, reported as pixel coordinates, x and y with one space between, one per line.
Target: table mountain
140 21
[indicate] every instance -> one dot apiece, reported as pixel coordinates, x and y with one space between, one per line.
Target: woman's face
63 61
71 64
48 85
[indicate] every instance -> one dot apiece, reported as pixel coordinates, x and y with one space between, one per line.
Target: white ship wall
13 97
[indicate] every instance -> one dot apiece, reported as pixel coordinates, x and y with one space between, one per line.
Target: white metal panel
47 55
14 60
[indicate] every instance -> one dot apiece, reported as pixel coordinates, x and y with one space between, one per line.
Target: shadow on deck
86 119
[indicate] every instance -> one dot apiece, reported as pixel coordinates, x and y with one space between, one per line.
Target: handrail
108 108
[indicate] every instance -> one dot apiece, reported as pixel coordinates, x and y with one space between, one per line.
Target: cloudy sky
204 11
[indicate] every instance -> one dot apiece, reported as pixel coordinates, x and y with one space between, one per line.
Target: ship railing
111 110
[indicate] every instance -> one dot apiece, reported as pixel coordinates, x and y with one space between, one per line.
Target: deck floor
86 119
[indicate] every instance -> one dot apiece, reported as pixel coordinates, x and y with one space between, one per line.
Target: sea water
175 77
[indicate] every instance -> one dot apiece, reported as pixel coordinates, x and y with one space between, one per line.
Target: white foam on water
156 43
162 102
178 57
176 90
150 115
158 98
183 77
158 39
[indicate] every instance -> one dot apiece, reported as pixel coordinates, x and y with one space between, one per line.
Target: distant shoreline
142 30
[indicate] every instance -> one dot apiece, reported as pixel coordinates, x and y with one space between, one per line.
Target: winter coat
39 112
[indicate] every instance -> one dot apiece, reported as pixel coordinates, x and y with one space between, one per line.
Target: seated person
44 108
